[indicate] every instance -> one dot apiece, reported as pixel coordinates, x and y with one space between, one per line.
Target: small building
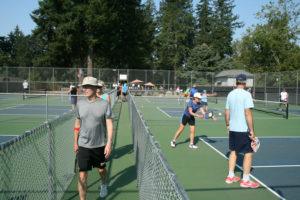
227 78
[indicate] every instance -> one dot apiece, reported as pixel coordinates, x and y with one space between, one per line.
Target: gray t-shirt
93 117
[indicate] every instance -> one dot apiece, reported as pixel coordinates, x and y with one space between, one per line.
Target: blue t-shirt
237 101
193 91
194 107
104 97
125 88
204 98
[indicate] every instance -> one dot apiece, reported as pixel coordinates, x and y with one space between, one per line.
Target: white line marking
11 107
9 135
261 183
274 166
163 112
267 137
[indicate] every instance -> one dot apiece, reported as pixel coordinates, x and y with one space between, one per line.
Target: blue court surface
34 110
5 138
276 165
177 112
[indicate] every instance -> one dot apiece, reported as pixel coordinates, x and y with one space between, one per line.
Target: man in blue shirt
124 91
188 116
239 122
193 91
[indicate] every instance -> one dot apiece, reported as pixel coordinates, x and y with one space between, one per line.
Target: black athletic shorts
204 103
240 142
118 93
185 119
124 93
89 158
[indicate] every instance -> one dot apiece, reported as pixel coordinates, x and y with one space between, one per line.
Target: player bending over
188 116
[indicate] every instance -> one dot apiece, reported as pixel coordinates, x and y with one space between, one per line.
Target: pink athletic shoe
231 180
249 184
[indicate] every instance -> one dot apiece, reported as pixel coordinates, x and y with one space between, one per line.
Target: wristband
109 141
76 129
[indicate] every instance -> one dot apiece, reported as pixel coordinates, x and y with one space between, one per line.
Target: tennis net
156 180
272 107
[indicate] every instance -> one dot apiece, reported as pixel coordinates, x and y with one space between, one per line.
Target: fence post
50 174
279 83
46 107
6 79
168 80
265 89
53 79
297 85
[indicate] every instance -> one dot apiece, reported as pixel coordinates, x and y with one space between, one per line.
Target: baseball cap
89 80
241 78
197 95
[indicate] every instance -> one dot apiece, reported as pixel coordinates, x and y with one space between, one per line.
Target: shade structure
149 84
136 81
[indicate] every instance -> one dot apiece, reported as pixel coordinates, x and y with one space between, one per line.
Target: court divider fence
155 178
39 164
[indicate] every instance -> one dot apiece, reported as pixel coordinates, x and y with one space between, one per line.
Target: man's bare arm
249 119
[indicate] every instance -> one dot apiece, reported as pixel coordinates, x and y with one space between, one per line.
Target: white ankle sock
231 174
246 177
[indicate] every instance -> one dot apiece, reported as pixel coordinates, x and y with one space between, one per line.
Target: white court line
12 107
163 112
9 135
274 166
268 137
261 183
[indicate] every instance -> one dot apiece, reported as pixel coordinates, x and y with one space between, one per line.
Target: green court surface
202 172
122 183
18 115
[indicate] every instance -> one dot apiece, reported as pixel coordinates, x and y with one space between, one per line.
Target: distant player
73 91
283 98
188 116
204 99
124 91
25 89
193 91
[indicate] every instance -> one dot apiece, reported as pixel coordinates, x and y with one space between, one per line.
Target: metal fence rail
267 86
156 180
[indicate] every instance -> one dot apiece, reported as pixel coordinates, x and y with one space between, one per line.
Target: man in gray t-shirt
93 133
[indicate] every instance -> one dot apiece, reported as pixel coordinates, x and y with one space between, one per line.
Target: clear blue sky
16 12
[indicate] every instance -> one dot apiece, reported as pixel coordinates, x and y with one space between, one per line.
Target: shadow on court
121 171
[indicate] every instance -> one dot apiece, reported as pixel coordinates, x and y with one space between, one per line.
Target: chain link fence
267 86
156 180
39 163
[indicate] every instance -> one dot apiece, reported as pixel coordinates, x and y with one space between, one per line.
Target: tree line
129 34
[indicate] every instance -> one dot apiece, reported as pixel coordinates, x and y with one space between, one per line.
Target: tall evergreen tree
204 22
176 33
224 23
